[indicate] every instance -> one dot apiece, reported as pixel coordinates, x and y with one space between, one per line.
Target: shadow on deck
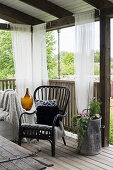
67 159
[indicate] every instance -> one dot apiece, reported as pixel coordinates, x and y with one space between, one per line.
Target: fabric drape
21 42
29 52
84 59
40 74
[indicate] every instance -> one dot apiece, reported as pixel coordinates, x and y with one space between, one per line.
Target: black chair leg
19 138
64 140
53 148
19 141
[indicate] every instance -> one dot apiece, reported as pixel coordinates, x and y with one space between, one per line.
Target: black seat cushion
46 113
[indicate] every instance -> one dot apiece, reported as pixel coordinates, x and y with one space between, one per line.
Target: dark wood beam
53 25
49 7
107 11
16 16
99 4
61 23
105 76
4 26
65 22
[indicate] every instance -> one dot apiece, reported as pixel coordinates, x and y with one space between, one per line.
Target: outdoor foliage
67 63
97 57
6 56
52 64
111 127
96 63
94 107
96 69
111 62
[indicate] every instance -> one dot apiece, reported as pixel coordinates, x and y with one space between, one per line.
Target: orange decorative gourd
27 100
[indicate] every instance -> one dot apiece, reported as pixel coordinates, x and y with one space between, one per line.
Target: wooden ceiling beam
65 22
107 11
56 24
4 26
48 7
53 25
60 23
16 16
99 4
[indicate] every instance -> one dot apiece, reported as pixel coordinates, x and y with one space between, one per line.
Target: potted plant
88 124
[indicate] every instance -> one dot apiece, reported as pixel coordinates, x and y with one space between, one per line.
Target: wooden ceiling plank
48 7
10 19
99 4
15 16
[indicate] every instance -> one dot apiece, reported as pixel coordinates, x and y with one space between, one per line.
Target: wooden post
58 53
105 76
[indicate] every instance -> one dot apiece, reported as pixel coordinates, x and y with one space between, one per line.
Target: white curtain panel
40 74
84 59
30 60
21 41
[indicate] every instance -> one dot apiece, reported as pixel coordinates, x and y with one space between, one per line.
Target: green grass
111 126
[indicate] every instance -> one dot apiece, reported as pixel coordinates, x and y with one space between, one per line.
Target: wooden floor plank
2 168
30 161
62 164
15 150
86 161
67 158
19 163
103 160
74 160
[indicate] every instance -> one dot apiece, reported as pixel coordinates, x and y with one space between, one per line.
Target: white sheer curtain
29 56
40 74
84 58
21 40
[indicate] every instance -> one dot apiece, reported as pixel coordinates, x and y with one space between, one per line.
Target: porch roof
56 13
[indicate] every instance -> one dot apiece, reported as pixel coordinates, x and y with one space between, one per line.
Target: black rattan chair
61 95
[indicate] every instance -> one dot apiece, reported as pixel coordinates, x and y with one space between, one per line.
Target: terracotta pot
27 100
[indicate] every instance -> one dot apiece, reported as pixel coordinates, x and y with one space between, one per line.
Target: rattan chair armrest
27 113
56 117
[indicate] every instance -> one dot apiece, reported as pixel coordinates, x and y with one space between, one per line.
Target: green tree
67 63
97 57
6 56
96 69
111 62
51 57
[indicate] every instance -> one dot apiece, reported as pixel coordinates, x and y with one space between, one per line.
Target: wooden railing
7 84
71 108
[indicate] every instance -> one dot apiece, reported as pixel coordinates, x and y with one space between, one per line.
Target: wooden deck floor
67 159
